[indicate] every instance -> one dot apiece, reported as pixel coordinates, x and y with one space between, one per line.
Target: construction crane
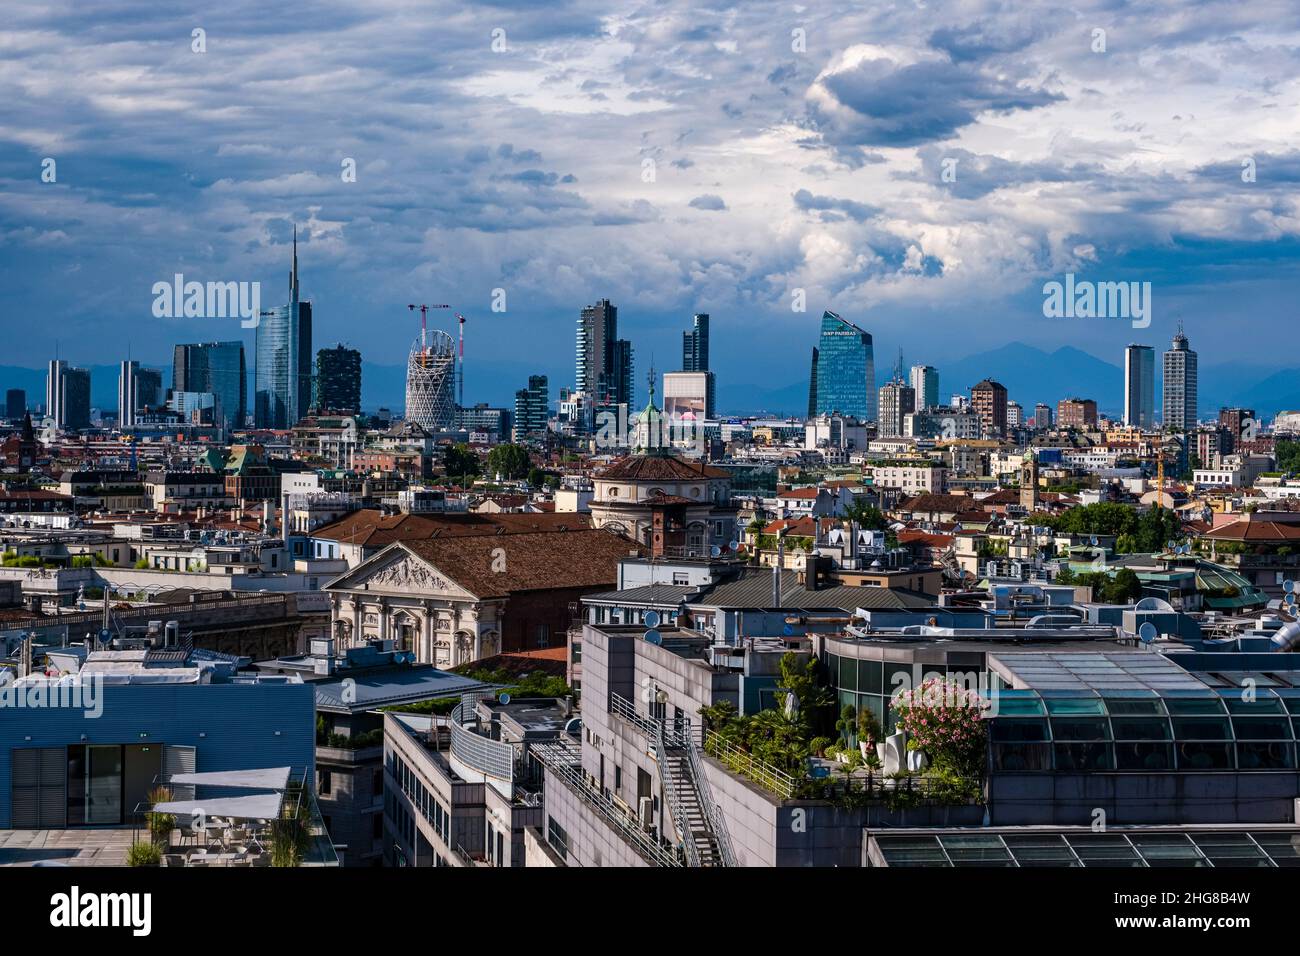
424 326
460 361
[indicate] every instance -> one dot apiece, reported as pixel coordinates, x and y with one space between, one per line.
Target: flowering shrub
944 719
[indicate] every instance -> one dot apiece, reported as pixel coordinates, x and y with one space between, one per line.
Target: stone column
427 648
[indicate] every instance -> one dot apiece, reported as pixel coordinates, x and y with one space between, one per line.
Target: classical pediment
399 572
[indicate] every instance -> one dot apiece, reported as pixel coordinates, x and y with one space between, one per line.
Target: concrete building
1139 386
1180 385
989 402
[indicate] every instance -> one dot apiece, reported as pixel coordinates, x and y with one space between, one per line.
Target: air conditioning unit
646 813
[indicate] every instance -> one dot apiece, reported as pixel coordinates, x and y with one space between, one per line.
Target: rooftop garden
803 751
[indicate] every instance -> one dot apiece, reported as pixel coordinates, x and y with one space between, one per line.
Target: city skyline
749 202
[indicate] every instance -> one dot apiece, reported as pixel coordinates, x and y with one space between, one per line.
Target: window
323 778
557 838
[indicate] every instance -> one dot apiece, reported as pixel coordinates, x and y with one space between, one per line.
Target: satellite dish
1288 586
787 630
504 698
1290 598
1093 540
733 545
651 618
654 637
715 551
1148 633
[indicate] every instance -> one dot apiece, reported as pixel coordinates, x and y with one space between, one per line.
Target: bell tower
1029 482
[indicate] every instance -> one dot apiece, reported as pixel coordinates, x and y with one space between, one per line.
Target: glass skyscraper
1140 386
282 382
218 368
844 370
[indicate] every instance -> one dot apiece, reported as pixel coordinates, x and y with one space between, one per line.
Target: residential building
897 400
1078 413
1180 385
989 402
925 382
532 408
338 381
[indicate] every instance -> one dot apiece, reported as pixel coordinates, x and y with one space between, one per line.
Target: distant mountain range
1030 374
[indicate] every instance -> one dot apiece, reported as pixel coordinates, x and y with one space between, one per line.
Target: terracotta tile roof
372 529
1255 531
534 562
804 526
660 468
801 493
925 538
938 502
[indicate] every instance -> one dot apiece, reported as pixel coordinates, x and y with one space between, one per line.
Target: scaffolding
431 381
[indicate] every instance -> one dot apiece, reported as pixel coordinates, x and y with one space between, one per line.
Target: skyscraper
695 355
925 382
67 396
695 345
1180 385
338 380
844 367
532 407
126 394
218 368
282 376
1140 386
604 361
15 403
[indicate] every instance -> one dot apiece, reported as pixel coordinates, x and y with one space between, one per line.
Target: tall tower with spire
283 369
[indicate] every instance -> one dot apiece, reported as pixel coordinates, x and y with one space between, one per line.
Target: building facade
219 369
282 378
844 371
338 380
1180 385
1139 386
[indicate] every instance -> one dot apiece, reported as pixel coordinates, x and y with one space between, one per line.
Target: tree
460 461
509 461
1123 588
867 516
536 477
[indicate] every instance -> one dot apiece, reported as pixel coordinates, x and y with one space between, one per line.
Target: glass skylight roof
1137 848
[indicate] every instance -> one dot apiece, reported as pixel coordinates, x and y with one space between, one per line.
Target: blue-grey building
283 373
843 371
217 368
86 749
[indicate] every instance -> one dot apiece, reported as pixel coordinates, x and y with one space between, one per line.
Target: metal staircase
690 802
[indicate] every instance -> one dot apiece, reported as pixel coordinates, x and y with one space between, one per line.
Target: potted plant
144 853
160 825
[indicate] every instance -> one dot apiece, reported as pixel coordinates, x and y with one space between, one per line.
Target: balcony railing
764 774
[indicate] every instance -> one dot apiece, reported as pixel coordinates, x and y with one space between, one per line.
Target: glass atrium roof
1137 848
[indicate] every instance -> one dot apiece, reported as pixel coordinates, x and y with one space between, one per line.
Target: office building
1015 414
1239 424
15 404
1043 416
1180 391
688 395
695 357
925 382
217 368
282 374
695 345
532 407
494 422
338 381
1140 386
989 402
137 389
844 370
897 400
67 396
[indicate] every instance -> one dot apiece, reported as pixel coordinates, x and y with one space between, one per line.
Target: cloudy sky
671 157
